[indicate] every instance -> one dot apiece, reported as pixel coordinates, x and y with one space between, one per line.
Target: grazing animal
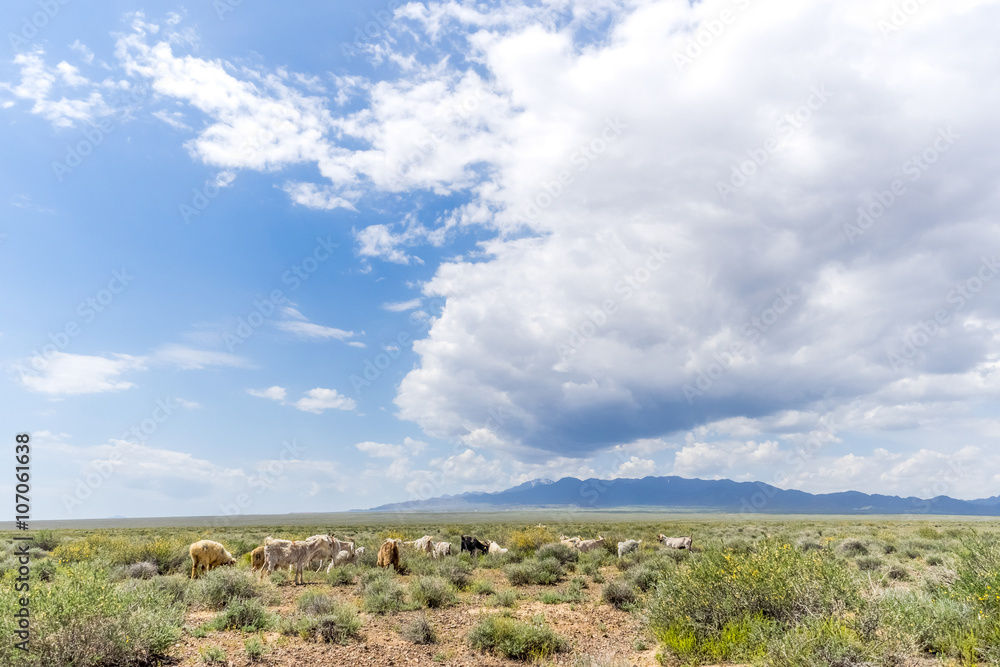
207 555
674 542
323 547
257 559
472 545
388 554
570 541
441 549
496 548
285 553
628 546
425 544
589 545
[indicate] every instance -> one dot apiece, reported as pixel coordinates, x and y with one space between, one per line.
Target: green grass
432 592
381 593
508 637
246 614
543 571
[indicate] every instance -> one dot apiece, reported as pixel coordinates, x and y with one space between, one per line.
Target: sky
265 259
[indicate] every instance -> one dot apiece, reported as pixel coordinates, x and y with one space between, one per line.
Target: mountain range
679 493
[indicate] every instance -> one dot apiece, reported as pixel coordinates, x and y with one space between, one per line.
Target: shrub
545 571
482 587
888 549
255 650
143 570
338 626
248 614
457 572
169 554
212 655
174 586
559 551
898 573
223 584
978 574
341 576
505 636
419 631
935 560
46 540
314 602
381 592
45 569
619 594
719 592
505 598
432 592
929 533
853 548
526 542
80 616
643 577
573 593
868 563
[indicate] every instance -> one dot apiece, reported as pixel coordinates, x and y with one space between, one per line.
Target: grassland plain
756 589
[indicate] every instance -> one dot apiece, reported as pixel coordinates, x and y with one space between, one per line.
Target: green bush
505 636
619 594
432 592
457 572
868 563
213 655
381 592
255 650
314 602
248 614
853 547
223 584
419 631
338 626
978 574
643 577
80 618
545 571
482 587
559 551
341 576
720 591
505 598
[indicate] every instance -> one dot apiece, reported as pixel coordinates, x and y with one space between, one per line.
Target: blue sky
272 259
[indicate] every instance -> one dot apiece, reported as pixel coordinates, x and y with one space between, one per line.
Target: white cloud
85 53
311 195
296 323
40 84
313 330
62 374
402 306
274 393
635 468
191 358
319 400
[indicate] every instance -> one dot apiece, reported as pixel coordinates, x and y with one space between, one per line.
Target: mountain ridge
694 494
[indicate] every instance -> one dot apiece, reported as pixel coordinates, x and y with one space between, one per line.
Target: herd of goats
300 554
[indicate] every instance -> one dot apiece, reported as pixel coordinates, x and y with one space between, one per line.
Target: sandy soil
599 635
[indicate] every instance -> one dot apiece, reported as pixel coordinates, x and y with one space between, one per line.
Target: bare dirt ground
599 635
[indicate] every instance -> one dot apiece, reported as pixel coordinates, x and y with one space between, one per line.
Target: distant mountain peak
681 493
